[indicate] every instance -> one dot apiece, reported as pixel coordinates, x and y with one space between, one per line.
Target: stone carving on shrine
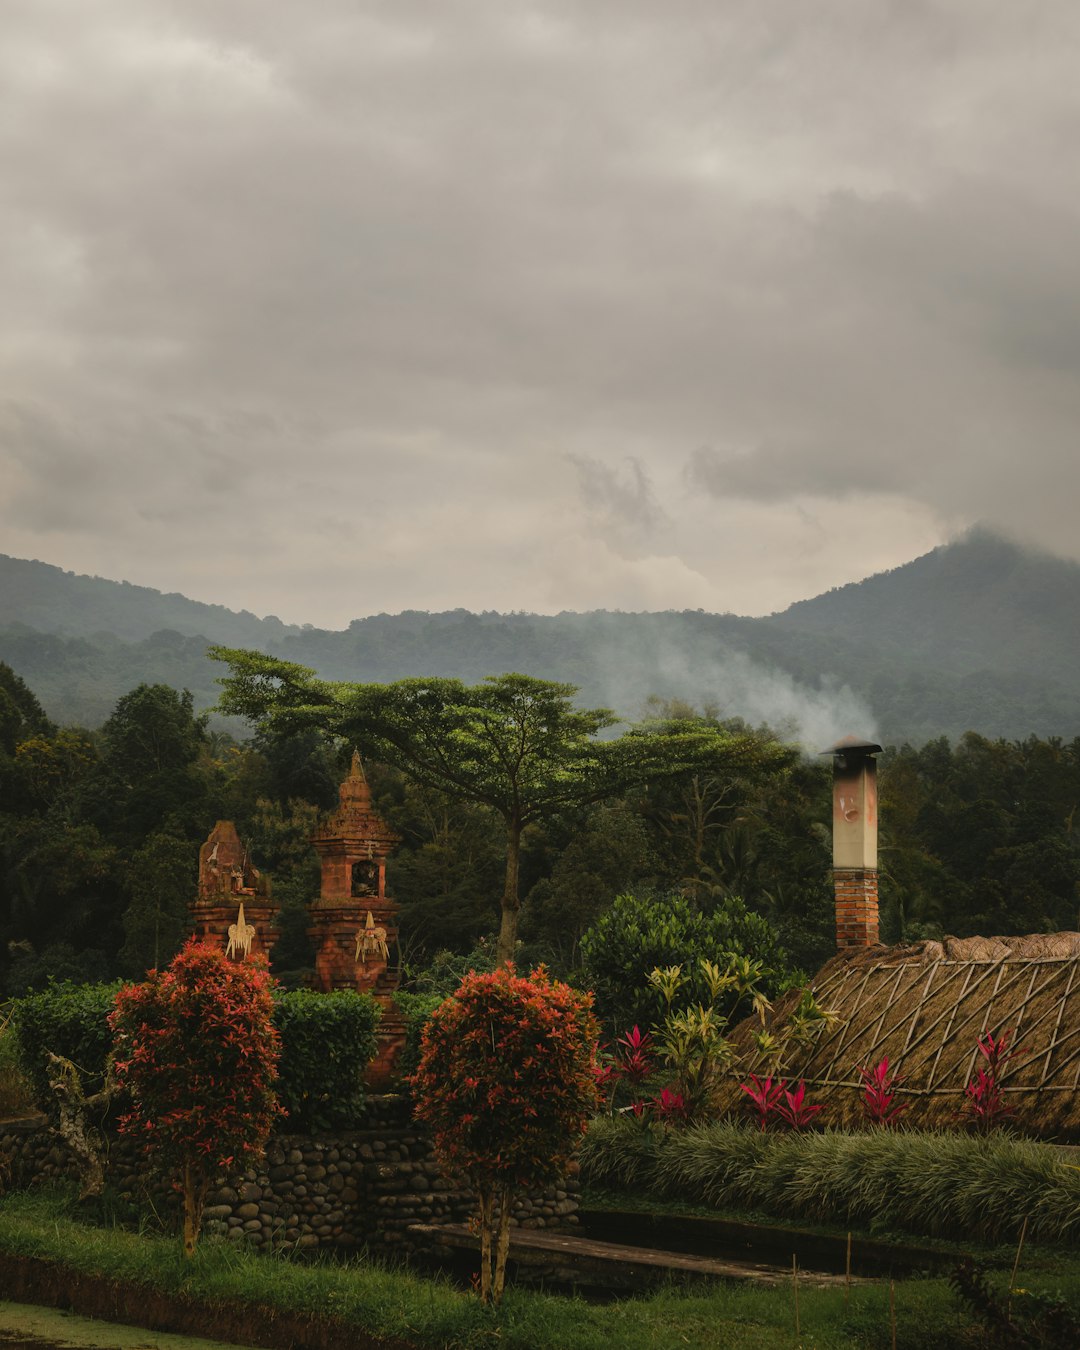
228 882
353 926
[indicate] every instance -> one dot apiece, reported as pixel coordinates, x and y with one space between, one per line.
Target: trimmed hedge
70 1020
935 1184
327 1042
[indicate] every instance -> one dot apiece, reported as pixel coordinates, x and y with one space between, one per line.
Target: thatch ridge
924 1006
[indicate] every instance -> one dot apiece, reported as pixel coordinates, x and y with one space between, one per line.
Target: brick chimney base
856 907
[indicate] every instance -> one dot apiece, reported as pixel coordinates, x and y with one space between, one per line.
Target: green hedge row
327 1042
935 1184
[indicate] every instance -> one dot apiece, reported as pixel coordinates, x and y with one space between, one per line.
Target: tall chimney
855 841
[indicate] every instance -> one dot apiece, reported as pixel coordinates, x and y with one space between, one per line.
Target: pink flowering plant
879 1086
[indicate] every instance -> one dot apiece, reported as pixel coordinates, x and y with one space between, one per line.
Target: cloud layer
329 309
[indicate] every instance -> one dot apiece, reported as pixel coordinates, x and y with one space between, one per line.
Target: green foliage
16 1095
327 1042
162 878
148 780
446 969
642 933
935 1184
417 1010
70 1020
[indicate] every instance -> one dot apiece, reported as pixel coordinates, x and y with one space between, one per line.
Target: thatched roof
925 1006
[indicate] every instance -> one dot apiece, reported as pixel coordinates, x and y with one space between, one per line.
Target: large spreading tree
512 743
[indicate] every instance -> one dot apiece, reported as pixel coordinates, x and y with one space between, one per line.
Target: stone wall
364 1187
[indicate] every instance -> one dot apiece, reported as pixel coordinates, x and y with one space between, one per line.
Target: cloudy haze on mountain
327 309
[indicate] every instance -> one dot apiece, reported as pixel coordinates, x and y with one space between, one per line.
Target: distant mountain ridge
50 600
978 634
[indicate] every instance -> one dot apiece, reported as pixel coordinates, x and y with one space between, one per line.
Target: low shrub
70 1020
642 933
327 1042
934 1184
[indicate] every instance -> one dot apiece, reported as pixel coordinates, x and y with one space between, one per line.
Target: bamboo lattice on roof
924 1007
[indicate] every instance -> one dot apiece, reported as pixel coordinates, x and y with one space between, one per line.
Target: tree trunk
75 1125
511 902
485 1204
502 1247
194 1184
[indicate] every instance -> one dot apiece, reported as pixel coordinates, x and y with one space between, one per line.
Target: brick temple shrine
233 905
352 920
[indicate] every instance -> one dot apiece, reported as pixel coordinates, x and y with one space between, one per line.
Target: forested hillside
977 635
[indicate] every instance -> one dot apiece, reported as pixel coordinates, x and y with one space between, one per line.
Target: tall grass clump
929 1183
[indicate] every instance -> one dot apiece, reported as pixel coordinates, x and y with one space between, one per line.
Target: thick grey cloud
333 308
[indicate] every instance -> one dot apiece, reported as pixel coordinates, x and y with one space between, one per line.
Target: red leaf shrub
985 1098
880 1105
506 1080
196 1049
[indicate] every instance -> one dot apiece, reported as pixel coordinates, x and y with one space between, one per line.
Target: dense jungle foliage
99 838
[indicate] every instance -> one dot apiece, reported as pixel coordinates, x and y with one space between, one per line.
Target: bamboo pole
1016 1264
795 1288
847 1271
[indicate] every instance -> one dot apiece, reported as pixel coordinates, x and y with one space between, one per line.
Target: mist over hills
976 635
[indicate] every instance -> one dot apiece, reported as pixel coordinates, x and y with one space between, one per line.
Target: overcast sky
328 308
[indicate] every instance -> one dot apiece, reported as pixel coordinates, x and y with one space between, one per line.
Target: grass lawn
432 1313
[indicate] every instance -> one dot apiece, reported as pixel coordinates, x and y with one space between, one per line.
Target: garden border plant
931 1183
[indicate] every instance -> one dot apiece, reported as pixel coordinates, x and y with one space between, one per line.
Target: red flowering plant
197 1051
880 1105
984 1093
507 1082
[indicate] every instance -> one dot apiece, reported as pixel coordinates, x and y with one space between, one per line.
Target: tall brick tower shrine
233 906
353 925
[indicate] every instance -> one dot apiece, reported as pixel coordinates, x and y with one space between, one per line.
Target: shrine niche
233 908
353 928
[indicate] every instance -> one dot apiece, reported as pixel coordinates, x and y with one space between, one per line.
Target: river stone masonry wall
346 1190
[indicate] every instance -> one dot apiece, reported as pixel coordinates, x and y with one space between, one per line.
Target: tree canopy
512 743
